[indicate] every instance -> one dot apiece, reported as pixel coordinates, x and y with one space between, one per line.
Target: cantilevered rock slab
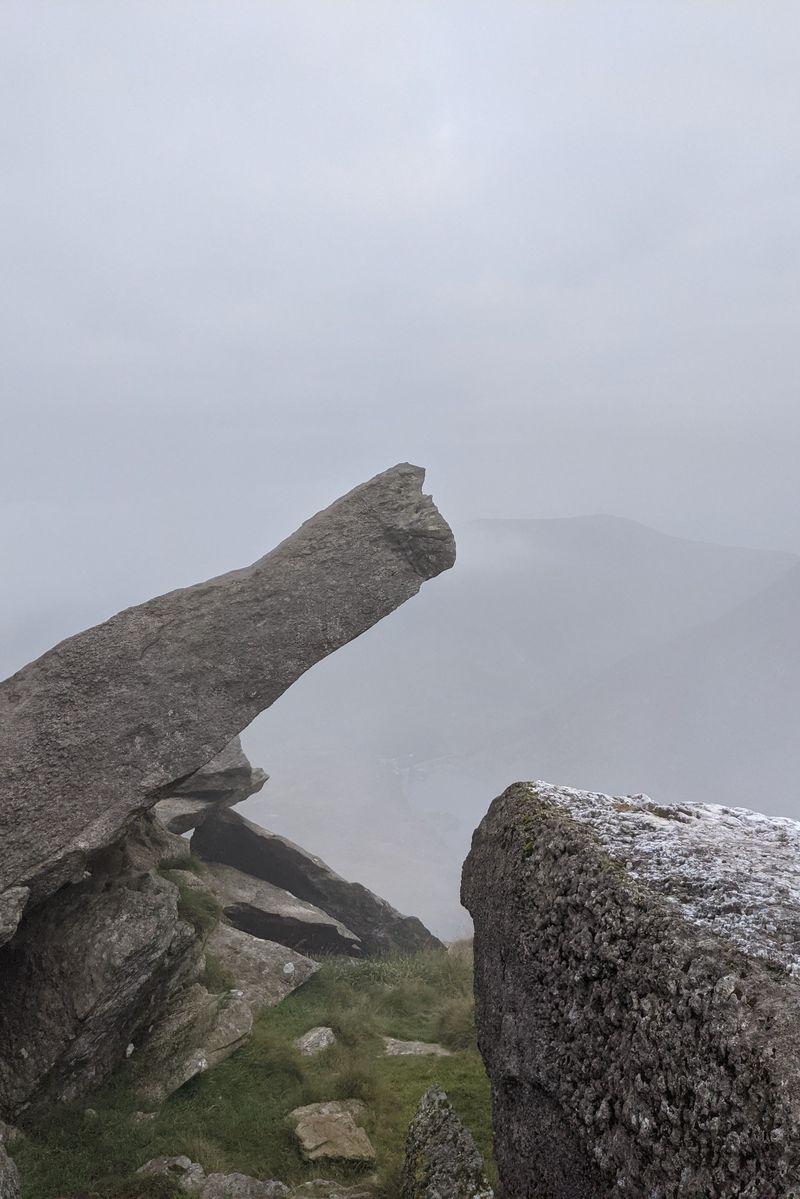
113 719
265 911
637 973
228 837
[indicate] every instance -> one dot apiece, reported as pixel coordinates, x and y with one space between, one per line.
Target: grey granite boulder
264 971
185 1174
637 973
442 1159
86 972
226 780
395 1048
9 1178
265 911
112 720
228 837
198 1031
323 1188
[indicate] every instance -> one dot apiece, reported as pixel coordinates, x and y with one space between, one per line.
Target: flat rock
226 780
241 1186
228 837
322 1188
316 1040
269 912
264 971
331 1131
441 1157
395 1048
115 718
9 1177
637 988
197 1032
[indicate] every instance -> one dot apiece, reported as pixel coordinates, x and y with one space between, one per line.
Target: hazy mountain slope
711 715
383 758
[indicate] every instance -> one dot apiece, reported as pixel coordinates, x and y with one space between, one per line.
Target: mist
254 254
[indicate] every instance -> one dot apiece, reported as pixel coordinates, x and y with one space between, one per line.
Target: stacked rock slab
111 720
637 973
228 779
441 1157
229 838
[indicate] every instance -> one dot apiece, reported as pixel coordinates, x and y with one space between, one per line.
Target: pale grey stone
395 1048
316 1040
226 780
264 971
181 1171
9 1177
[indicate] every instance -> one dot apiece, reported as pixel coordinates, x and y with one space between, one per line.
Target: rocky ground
287 1107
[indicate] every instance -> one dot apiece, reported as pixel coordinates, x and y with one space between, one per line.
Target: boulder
265 911
330 1131
441 1157
199 1030
190 1176
315 1041
395 1048
85 973
637 973
9 1178
226 780
323 1188
264 971
113 719
230 838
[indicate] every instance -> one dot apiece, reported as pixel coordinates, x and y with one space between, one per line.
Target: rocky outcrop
637 975
186 1175
265 911
113 719
86 972
264 971
199 1030
228 779
395 1048
9 1178
331 1131
441 1157
228 837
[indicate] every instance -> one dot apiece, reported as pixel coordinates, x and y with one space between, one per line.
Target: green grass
233 1118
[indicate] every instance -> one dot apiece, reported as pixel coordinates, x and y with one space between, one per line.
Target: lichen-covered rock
441 1157
330 1131
316 1040
266 911
242 1186
323 1188
181 1171
226 780
264 971
637 975
110 721
9 1178
198 1031
228 837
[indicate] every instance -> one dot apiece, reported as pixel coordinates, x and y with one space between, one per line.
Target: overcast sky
254 253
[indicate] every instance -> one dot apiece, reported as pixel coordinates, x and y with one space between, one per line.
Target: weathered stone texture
9 1178
228 837
331 1131
442 1160
226 780
264 971
113 719
272 913
637 976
